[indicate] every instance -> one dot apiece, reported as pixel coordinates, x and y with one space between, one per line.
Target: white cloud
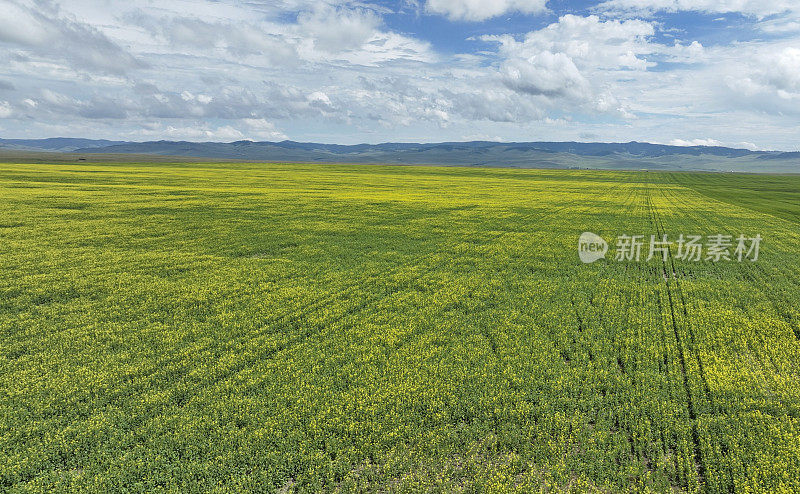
482 137
695 142
589 41
195 132
713 142
545 73
18 25
759 8
478 10
323 34
769 74
782 72
783 25
44 30
747 145
336 30
261 128
574 64
693 52
5 109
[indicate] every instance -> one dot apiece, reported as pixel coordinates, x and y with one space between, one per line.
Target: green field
235 327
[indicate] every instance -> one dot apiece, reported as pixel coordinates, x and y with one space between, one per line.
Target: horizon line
687 146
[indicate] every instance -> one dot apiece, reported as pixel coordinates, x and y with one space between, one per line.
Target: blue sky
724 72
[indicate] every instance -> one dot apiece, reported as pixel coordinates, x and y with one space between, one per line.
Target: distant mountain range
630 155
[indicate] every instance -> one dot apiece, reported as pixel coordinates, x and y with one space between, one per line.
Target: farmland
241 326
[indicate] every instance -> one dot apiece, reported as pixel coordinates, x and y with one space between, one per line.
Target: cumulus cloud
546 74
589 40
478 10
693 52
769 74
572 63
782 72
261 128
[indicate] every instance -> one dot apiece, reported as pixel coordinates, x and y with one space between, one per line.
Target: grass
238 327
776 195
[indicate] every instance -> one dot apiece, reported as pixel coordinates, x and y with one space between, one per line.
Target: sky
682 72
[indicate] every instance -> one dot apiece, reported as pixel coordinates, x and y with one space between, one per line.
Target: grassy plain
232 327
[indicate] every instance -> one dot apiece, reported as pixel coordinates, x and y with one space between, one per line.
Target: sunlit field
230 327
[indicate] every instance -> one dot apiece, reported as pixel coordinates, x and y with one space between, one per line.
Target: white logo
629 248
591 247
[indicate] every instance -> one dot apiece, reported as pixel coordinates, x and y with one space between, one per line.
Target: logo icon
591 247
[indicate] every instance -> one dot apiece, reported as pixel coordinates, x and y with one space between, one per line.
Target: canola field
326 328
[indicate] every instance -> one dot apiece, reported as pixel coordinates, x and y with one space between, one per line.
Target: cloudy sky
670 71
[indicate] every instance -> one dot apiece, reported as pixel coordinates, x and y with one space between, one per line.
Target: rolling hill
630 155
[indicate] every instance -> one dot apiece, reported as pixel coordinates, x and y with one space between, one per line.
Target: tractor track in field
172 367
388 272
492 343
292 316
603 301
668 272
578 318
761 277
756 274
685 311
552 213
